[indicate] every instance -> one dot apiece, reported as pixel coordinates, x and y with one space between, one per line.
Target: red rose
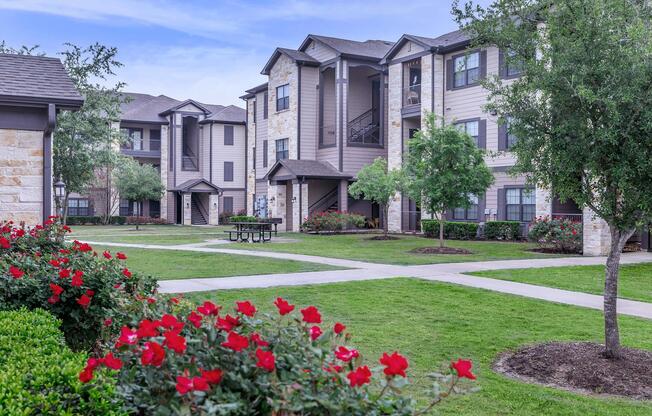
208 308
4 242
184 385
346 354
86 375
227 323
246 308
463 368
64 273
339 328
127 336
147 328
77 278
56 289
90 293
175 342
84 301
255 337
395 364
171 322
236 342
126 273
108 322
333 368
195 318
153 354
15 272
283 306
200 383
359 376
121 256
266 360
107 255
212 376
112 362
311 315
315 332
53 299
54 263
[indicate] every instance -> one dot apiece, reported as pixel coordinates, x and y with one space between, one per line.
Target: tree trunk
441 230
386 220
137 216
64 209
611 334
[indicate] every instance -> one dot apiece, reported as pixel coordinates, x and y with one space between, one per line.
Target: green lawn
432 323
148 234
172 264
360 247
635 280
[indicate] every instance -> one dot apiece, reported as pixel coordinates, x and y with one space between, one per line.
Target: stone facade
276 204
544 202
595 234
213 209
251 148
394 140
187 212
164 171
21 176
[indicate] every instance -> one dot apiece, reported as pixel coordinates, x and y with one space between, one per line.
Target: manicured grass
432 323
173 264
360 247
635 280
148 234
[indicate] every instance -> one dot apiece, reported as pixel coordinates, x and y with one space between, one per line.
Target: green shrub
453 230
502 230
243 218
558 234
78 286
332 221
95 220
39 374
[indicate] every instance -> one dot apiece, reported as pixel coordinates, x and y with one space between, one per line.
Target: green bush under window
502 230
453 230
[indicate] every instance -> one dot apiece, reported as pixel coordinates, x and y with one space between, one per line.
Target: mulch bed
549 250
440 250
383 238
582 368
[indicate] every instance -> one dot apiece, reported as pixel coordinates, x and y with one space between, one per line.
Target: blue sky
209 50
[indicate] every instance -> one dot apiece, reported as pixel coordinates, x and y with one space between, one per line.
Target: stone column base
214 209
187 210
595 234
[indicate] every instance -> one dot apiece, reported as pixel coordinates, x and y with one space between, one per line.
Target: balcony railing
155 145
364 129
412 95
570 217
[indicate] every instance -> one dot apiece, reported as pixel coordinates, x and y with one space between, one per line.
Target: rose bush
209 360
557 234
332 221
77 285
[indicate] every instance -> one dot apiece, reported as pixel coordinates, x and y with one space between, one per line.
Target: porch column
187 210
214 209
595 234
276 203
543 200
164 172
343 195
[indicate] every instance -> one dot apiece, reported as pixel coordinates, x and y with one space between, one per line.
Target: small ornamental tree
582 110
137 183
375 183
443 169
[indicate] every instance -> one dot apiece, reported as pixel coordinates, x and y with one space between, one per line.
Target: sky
210 51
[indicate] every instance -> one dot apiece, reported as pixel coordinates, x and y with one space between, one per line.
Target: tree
443 169
582 111
137 183
377 184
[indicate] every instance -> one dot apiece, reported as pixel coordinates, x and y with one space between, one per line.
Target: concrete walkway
446 272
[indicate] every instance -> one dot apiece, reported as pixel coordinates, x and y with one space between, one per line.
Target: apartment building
199 150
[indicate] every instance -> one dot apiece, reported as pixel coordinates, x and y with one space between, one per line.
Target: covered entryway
197 202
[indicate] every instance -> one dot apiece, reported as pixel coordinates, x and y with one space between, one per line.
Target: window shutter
228 135
483 64
449 74
265 106
227 203
482 134
502 69
500 215
502 136
228 171
264 153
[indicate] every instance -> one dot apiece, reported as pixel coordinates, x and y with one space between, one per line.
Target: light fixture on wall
493 112
272 199
294 199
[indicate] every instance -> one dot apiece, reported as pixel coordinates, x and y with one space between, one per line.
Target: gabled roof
230 114
183 104
251 92
297 56
305 169
441 44
196 185
370 49
36 80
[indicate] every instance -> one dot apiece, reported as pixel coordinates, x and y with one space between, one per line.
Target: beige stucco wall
21 176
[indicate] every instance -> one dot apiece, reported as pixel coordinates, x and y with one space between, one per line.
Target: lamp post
59 193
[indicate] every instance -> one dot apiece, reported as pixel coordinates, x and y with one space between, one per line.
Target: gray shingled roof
445 40
369 48
148 108
230 114
296 56
308 169
36 79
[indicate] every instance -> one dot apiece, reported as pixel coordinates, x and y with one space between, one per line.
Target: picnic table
256 232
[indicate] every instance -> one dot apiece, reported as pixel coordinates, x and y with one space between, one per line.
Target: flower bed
559 235
332 221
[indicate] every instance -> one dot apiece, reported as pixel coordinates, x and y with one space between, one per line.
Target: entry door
179 208
288 206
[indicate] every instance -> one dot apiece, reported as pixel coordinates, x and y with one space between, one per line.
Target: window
471 128
520 204
227 201
126 208
283 97
265 151
467 69
255 105
512 66
78 207
133 137
228 171
470 213
511 138
155 139
265 106
282 151
253 154
228 135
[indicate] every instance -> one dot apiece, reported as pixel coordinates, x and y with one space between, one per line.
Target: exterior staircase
198 215
364 129
329 202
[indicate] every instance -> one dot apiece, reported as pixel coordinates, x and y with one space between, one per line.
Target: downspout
298 111
432 82
301 201
210 151
47 161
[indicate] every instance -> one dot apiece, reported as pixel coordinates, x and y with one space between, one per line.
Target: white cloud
210 75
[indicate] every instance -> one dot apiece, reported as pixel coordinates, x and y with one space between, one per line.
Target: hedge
502 230
94 220
39 373
243 218
452 229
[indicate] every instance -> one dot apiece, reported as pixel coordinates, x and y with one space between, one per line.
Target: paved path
446 272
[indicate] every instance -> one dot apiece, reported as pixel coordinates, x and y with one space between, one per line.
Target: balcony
136 148
412 95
